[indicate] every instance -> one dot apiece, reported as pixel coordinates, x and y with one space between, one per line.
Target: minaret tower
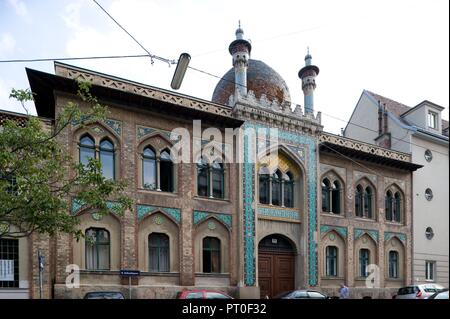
308 75
240 50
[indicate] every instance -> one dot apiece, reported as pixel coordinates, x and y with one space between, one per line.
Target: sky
396 48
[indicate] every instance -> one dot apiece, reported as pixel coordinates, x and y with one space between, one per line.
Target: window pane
202 181
264 189
97 249
9 263
336 198
326 196
159 252
85 154
166 176
289 194
107 161
358 201
149 173
218 183
211 255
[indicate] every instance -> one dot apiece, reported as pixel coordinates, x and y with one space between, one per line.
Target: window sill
160 274
332 215
225 200
394 279
366 219
394 223
332 278
278 207
153 191
212 274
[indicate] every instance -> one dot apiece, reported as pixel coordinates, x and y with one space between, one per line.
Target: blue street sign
130 273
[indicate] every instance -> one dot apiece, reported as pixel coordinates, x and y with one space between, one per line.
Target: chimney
380 119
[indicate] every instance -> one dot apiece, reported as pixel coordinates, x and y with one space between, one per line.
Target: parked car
443 294
202 294
302 294
418 291
104 295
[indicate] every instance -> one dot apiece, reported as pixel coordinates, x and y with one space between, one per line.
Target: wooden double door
276 272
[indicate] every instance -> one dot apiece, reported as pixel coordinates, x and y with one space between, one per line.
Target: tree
38 179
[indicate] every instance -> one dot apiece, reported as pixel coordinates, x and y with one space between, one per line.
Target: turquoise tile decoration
278 213
144 210
389 235
78 205
116 126
199 216
308 143
340 230
360 232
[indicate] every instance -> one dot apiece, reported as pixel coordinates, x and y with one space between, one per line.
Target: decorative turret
240 50
308 76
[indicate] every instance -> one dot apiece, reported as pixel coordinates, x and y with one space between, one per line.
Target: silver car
418 291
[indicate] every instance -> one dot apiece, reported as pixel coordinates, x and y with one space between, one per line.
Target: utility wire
75 58
152 56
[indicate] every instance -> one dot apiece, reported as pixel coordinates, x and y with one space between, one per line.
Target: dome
261 79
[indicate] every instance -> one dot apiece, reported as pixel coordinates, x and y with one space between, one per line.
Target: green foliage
38 178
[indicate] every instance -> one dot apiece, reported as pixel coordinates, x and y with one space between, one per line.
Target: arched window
276 188
393 264
107 158
87 149
159 252
264 186
393 206
149 168
359 201
364 260
218 180
211 255
388 209
166 172
368 211
336 197
97 249
397 207
326 198
203 178
288 190
331 261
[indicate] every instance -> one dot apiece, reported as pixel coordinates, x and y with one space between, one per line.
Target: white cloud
19 6
7 43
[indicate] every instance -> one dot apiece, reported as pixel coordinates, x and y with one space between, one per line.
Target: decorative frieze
200 216
339 229
389 235
360 232
144 210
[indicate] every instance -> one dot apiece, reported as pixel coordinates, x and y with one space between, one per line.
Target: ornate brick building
316 216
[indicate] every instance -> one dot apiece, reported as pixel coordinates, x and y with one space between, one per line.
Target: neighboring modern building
421 132
314 217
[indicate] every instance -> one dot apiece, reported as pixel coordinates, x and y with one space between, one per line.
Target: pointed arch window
105 152
359 201
210 179
326 198
97 249
159 252
364 261
364 202
331 265
276 188
264 186
336 197
393 209
87 149
166 172
149 168
393 264
288 190
211 255
107 158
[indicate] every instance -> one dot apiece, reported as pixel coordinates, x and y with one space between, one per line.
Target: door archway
276 265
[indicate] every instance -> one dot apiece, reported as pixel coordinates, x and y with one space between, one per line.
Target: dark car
104 295
443 294
202 294
302 294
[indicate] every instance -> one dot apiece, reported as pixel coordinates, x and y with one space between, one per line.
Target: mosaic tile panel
199 216
144 210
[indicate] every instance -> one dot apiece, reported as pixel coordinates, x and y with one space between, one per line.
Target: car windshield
442 295
283 294
104 295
